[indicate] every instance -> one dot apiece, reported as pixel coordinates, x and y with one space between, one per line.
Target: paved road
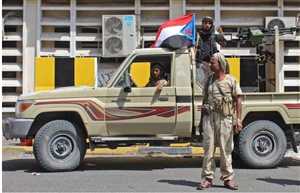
121 174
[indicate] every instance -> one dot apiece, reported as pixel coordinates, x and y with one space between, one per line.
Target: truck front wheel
59 146
262 144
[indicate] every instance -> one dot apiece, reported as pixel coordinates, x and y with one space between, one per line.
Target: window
291 59
9 89
10 29
162 61
9 44
96 29
9 75
9 59
59 44
62 29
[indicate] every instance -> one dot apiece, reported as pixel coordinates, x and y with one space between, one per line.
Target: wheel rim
263 143
61 146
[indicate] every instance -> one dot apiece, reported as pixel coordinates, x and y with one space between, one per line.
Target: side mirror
127 89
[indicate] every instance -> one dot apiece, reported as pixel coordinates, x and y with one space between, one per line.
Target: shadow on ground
188 183
283 182
110 163
126 163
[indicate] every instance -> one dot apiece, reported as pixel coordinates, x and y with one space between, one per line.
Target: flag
177 33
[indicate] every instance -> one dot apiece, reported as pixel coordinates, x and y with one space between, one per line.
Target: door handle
163 99
120 100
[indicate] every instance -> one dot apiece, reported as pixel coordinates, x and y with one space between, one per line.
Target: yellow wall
85 71
234 67
44 73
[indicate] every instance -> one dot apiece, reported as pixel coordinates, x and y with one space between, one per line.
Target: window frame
130 61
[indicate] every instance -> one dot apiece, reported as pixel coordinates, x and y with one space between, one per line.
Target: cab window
159 68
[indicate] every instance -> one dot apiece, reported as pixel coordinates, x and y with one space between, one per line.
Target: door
142 111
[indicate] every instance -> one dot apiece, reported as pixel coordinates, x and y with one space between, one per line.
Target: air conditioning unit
281 22
118 35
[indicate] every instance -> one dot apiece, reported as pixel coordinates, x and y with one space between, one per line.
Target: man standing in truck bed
206 47
222 116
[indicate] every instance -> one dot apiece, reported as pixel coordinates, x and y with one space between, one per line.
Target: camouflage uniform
218 127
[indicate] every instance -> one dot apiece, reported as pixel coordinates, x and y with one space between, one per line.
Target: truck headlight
22 106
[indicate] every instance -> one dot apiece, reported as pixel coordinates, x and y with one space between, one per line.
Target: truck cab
142 110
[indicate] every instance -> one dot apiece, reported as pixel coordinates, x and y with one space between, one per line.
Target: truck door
141 110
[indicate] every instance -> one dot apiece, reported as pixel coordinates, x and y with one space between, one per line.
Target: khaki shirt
228 85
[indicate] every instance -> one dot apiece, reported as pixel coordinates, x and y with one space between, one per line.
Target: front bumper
16 128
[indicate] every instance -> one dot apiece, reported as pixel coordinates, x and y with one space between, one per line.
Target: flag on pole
177 33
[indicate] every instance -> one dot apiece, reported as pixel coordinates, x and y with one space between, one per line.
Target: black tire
262 144
34 150
59 146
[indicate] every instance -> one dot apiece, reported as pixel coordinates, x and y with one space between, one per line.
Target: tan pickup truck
66 121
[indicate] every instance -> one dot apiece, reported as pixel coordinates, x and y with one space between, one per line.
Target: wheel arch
45 117
273 116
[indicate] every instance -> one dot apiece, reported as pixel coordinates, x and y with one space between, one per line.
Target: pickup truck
65 122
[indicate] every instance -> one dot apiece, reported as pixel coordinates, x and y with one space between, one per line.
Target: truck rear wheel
59 146
262 144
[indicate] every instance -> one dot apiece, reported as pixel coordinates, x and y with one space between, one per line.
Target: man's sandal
230 184
207 183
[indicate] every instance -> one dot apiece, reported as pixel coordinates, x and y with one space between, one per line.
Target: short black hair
157 65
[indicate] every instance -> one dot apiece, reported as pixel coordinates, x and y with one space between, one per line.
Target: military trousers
217 131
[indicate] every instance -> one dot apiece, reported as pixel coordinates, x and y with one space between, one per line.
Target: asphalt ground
133 173
140 174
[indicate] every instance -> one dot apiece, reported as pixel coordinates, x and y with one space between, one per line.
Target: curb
130 151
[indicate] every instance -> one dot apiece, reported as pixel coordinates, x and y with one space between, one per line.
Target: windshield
117 72
104 76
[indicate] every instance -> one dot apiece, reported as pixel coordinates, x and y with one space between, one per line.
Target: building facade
70 28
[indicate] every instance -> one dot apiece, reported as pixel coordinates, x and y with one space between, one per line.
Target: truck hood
65 92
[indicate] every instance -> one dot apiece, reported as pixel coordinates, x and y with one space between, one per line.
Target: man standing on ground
222 117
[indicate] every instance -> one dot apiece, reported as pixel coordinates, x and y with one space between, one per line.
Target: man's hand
160 84
238 126
205 109
220 30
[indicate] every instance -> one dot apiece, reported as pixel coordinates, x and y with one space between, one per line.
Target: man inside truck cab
221 118
208 43
158 77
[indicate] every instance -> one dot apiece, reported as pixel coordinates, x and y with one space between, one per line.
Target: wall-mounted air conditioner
281 22
118 35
